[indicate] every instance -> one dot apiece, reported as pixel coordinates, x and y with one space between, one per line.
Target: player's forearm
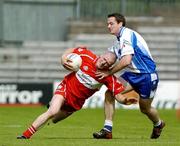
123 62
118 67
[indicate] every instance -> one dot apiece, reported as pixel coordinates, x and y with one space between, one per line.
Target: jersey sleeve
113 84
127 43
125 46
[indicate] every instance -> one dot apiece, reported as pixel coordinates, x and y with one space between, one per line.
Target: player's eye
106 62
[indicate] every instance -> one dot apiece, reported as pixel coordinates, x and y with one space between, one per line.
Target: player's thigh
56 103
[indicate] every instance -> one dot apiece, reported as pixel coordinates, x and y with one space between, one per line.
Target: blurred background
34 34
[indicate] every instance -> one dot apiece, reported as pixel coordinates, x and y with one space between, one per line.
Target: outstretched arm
123 62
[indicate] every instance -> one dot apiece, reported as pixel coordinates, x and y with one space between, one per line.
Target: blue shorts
145 84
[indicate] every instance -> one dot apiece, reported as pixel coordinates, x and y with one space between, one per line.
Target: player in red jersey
76 87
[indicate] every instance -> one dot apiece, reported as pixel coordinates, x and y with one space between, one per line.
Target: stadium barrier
167 95
25 93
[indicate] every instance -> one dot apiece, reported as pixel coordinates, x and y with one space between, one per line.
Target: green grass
131 128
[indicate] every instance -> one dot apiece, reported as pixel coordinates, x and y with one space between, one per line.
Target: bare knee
145 105
60 116
51 112
144 110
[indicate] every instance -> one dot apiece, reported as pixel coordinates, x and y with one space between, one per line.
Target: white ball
76 61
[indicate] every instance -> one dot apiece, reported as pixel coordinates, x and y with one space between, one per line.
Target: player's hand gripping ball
73 62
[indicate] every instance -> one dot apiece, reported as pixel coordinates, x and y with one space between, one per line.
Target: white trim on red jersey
87 80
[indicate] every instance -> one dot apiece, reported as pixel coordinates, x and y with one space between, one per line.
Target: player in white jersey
140 74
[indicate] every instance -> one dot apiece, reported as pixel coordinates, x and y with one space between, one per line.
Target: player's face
113 25
105 61
102 63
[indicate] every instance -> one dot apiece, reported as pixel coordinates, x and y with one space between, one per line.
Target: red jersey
78 86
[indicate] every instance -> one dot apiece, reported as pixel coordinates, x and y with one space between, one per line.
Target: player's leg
152 114
147 88
65 111
127 98
54 108
147 109
109 108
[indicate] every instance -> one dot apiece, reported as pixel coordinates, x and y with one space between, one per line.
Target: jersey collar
121 29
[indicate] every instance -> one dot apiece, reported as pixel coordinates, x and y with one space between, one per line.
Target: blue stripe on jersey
142 60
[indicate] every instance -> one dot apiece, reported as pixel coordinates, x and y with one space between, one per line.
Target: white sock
158 123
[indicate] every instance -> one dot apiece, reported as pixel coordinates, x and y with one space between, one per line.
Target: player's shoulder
130 35
85 52
81 50
127 32
131 32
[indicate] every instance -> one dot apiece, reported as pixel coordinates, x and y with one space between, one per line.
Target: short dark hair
119 18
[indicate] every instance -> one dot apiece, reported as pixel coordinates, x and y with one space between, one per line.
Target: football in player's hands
73 62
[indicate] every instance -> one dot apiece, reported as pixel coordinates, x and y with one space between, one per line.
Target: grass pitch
131 128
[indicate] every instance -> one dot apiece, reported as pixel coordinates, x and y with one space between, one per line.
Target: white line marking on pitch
11 126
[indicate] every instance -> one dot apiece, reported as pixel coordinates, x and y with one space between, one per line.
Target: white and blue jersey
130 42
141 73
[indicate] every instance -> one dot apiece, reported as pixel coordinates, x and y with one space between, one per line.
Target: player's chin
112 32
